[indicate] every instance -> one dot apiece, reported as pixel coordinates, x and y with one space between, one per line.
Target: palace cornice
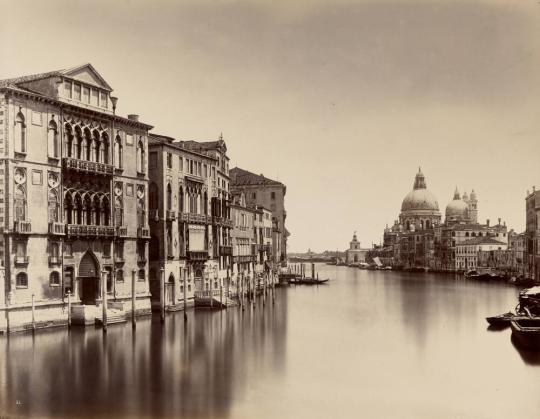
75 109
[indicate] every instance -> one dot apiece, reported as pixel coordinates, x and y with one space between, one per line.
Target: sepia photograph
259 209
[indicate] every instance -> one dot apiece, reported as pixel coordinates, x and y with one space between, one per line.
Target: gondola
526 332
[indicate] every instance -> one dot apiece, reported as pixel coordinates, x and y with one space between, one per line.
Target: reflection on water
371 344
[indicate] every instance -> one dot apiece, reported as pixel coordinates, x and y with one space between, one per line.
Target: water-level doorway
89 279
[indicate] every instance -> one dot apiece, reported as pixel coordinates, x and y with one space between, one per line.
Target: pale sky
341 101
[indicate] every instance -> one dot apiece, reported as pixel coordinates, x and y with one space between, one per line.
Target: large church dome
419 198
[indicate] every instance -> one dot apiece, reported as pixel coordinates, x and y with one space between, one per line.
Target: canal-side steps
213 299
89 315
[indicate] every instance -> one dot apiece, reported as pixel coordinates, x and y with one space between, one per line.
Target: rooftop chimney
114 100
487 222
133 117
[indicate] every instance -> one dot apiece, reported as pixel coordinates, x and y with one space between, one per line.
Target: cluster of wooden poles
246 296
300 270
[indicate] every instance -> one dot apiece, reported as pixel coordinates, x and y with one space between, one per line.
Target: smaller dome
456 209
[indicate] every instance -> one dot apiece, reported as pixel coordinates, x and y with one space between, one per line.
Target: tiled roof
16 80
241 177
481 240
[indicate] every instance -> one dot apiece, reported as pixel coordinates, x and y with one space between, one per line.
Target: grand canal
370 344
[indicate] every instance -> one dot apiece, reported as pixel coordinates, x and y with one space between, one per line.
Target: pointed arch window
169 197
19 203
118 152
105 148
141 213
96 147
20 133
118 211
54 208
140 157
88 211
78 143
69 140
181 200
87 145
52 139
68 209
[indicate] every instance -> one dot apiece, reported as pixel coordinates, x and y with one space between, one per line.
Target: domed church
462 210
419 209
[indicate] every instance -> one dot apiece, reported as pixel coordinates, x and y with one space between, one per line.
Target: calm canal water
370 344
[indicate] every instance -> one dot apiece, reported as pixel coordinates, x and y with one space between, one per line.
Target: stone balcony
56 228
121 231
21 260
195 218
143 232
54 261
170 215
225 222
198 255
88 166
22 227
89 230
244 258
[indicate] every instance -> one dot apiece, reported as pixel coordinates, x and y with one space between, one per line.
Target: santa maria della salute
421 239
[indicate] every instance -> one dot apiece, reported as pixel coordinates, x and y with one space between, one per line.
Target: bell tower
473 207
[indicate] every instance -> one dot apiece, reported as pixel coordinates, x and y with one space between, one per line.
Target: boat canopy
532 291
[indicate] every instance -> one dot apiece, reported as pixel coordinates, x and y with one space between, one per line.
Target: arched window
19 203
142 275
52 139
153 196
467 234
140 157
20 133
181 200
88 210
118 211
69 140
105 208
105 148
54 279
169 197
96 147
21 280
87 146
78 210
119 275
54 207
98 219
55 249
428 224
171 278
141 213
205 203
118 152
68 209
169 243
78 143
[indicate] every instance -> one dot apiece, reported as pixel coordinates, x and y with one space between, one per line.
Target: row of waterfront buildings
421 239
90 198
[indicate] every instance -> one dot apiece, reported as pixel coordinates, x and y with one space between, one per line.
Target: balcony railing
225 250
198 255
22 227
206 293
198 218
88 166
244 258
143 232
122 231
21 260
58 229
225 222
89 230
171 215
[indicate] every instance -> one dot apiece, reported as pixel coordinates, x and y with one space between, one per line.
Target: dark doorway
89 279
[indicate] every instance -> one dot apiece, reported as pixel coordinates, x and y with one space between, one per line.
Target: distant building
355 254
268 193
468 251
532 235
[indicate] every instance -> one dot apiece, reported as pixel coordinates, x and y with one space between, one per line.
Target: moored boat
526 332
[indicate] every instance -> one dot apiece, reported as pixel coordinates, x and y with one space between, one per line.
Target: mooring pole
33 314
104 299
162 294
133 298
69 308
185 295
